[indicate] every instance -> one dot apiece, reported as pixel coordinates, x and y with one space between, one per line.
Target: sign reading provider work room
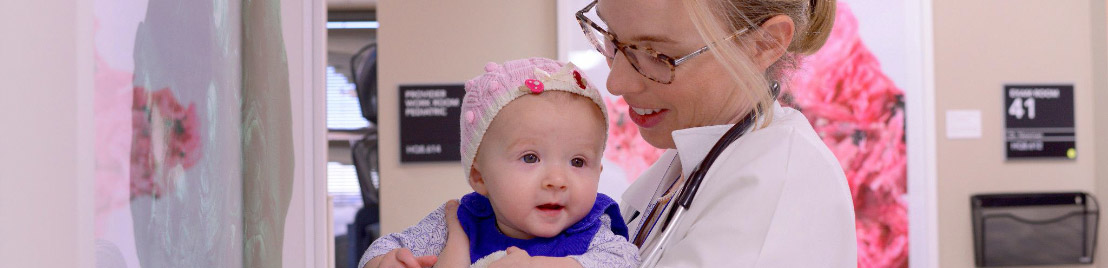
429 123
1039 121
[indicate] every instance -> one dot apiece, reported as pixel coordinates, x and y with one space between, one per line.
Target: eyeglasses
648 62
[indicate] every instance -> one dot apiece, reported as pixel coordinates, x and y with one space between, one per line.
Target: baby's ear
476 181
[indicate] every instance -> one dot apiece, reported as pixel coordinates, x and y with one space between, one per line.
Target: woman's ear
476 181
778 33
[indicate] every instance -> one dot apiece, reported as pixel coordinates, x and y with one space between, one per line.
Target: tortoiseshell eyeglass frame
671 62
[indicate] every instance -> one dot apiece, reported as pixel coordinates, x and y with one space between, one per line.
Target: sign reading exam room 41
1039 121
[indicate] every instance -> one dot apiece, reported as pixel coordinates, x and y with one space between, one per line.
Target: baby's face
539 163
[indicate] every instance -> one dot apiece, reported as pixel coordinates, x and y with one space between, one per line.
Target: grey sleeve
427 237
608 249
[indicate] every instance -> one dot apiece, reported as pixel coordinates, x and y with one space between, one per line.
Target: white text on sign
423 149
428 102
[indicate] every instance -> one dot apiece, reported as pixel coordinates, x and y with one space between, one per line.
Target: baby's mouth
550 207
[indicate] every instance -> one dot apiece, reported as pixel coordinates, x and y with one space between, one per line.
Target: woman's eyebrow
637 38
651 38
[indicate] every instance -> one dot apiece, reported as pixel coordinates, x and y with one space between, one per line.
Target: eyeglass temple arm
705 48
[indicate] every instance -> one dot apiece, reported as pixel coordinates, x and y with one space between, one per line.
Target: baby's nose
555 181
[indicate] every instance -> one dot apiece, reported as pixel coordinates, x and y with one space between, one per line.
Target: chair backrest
363 67
364 154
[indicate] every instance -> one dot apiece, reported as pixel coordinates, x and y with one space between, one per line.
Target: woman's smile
646 117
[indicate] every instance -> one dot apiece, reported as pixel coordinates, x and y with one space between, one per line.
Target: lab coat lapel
641 192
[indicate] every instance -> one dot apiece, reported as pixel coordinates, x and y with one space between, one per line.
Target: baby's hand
401 257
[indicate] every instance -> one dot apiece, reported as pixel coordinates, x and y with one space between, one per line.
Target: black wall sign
1039 121
429 123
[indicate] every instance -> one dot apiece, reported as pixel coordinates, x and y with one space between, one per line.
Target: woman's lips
647 120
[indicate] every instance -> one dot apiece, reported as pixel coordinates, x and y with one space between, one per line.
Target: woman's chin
657 137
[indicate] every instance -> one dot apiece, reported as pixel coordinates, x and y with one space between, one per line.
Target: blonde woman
701 79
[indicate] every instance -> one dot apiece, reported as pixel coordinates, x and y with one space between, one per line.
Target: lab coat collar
692 145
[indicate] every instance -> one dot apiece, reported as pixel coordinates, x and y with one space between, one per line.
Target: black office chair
366 226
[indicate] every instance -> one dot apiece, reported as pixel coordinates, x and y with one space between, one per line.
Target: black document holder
1034 228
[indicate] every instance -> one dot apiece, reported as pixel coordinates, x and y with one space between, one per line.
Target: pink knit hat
501 84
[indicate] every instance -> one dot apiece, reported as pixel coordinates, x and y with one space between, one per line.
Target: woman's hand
520 258
401 257
456 251
516 258
454 231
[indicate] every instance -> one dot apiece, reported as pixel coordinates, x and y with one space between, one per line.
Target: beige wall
429 42
1099 34
980 46
46 149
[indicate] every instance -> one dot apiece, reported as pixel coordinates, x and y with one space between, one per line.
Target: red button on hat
535 85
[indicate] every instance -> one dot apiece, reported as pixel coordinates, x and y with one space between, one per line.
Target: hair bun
821 18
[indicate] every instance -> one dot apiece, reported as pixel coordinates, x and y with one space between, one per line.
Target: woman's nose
623 79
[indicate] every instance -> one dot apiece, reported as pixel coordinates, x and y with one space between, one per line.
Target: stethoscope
689 189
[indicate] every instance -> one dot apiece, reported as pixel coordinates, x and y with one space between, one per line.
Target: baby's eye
577 162
530 158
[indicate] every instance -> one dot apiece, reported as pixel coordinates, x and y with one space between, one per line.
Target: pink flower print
855 108
625 147
165 141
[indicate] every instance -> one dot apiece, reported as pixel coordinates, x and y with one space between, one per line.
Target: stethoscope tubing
692 185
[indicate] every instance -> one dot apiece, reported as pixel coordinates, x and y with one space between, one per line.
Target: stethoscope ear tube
685 197
692 185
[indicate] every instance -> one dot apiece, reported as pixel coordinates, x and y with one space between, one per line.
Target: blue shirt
477 218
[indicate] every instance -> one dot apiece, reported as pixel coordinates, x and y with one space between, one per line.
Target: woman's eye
530 158
577 162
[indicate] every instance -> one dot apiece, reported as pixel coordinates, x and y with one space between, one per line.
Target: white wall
307 242
46 142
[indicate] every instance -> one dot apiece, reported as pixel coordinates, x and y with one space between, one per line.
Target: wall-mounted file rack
1034 228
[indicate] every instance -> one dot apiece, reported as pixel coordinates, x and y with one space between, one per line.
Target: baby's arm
608 249
428 237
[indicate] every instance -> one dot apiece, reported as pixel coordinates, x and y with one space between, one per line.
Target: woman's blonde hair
718 19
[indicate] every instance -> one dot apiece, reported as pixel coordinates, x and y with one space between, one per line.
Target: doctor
690 70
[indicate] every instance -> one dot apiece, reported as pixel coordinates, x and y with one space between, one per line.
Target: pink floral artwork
165 141
625 147
858 112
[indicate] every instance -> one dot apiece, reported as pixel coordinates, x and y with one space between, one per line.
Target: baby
532 137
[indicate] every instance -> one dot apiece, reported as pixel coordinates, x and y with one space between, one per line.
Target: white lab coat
776 197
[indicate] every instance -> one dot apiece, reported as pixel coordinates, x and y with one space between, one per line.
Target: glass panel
168 130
